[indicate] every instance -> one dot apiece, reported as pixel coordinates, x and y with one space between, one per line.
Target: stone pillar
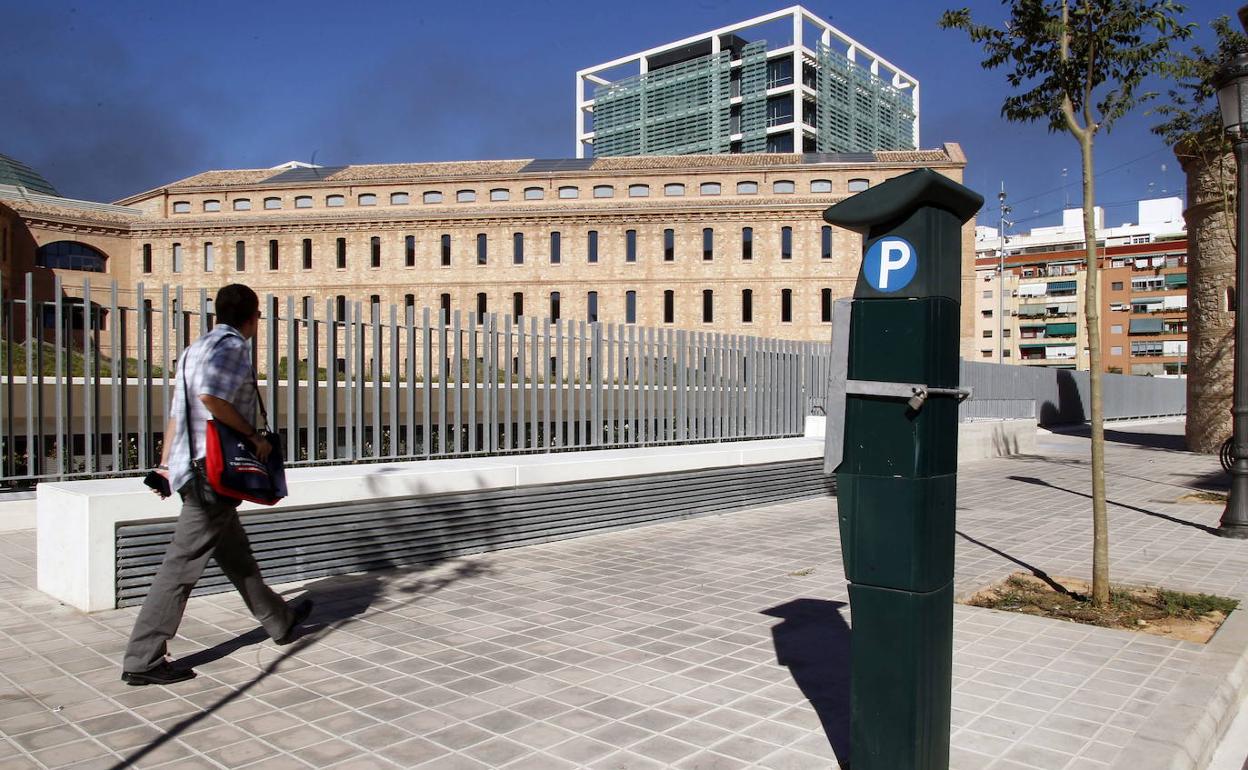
1210 219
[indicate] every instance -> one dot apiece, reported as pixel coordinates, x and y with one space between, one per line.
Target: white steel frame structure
867 67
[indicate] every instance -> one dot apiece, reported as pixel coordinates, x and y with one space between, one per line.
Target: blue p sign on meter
890 264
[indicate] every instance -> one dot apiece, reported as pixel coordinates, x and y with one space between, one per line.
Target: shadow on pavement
1174 442
1039 573
339 600
1146 512
813 643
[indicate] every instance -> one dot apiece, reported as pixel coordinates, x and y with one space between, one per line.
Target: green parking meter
896 463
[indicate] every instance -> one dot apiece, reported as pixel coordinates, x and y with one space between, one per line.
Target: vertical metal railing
89 373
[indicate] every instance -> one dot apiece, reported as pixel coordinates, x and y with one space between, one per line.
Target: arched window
433 196
821 185
858 185
272 203
399 199
674 189
466 196
367 199
639 191
212 205
747 188
604 191
782 186
70 255
335 200
303 201
500 194
242 204
569 192
534 193
709 188
181 207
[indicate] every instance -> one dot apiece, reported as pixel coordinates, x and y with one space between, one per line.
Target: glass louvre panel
1063 286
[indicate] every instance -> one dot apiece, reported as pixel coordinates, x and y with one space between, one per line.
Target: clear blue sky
112 98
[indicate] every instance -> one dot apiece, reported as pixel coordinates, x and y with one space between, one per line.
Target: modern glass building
782 82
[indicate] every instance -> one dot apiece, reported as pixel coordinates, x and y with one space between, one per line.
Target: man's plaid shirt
217 364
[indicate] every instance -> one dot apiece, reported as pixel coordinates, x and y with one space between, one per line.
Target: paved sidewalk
718 642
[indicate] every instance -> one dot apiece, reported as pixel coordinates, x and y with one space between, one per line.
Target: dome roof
14 172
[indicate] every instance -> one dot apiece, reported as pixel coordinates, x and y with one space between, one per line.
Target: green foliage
1194 605
74 363
1096 59
1192 124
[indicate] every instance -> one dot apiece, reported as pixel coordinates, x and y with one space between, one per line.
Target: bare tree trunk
1092 319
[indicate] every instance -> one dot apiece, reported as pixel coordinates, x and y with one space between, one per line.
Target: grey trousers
202 531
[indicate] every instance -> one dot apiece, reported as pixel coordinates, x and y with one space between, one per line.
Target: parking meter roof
896 198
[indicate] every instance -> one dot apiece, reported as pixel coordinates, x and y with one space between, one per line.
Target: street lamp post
1231 82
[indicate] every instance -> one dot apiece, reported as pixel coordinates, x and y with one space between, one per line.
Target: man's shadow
813 643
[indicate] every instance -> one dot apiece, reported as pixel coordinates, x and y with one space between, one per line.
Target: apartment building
781 82
1030 297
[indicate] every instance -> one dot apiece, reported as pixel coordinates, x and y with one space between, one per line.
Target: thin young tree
1078 65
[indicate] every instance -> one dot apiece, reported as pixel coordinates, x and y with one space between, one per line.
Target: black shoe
163 673
300 611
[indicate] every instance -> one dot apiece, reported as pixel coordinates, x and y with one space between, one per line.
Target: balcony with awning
1060 330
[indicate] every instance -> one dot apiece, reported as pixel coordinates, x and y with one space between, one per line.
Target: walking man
214 380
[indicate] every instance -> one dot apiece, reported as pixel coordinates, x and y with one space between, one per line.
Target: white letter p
894 255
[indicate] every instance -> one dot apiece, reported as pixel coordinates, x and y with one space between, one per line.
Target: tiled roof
35 204
401 172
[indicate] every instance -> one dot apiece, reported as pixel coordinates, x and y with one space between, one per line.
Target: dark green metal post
897 480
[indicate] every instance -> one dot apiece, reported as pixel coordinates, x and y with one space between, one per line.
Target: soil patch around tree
1172 614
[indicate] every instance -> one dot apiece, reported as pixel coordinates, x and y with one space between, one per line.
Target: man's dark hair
236 304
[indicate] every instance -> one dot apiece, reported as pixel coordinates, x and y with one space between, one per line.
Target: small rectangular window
1116 286
446 251
517 305
554 306
708 243
786 306
374 245
592 246
209 257
482 248
482 302
147 257
630 307
273 255
177 257
409 251
630 246
517 248
747 243
708 306
556 242
444 301
825 306
340 308
409 304
669 306
786 243
340 256
747 306
307 253
591 307
825 242
240 256
669 245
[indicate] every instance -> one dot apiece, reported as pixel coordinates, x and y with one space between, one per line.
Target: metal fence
87 381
